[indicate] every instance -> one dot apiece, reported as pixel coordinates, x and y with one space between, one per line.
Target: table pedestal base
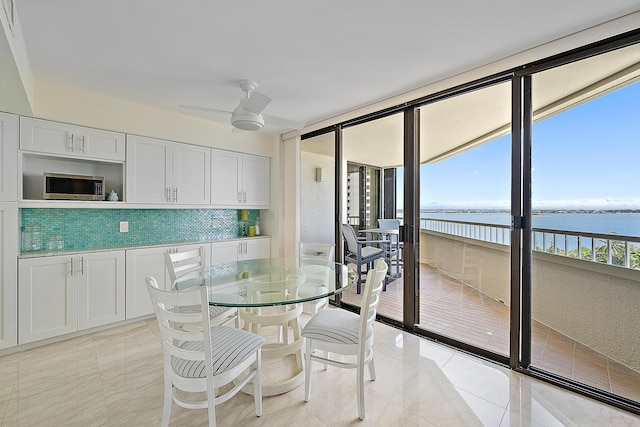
286 319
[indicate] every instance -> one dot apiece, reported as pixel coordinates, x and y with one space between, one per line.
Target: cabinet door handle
168 195
82 139
240 248
70 144
175 194
245 248
239 196
244 198
82 266
71 267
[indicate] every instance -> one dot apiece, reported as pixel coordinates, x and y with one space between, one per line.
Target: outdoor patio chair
360 252
393 224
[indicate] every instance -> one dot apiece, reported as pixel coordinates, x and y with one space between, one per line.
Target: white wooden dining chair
316 260
199 358
346 333
188 266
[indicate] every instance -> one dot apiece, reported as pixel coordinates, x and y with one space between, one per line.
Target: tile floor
114 378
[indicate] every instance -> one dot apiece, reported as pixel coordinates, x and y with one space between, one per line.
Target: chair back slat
177 327
185 265
373 287
276 287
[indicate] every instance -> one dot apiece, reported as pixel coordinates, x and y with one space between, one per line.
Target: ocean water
624 224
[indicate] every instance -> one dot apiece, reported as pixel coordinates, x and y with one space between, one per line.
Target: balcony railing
623 251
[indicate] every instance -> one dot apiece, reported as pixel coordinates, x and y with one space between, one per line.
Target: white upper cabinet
43 136
191 174
226 178
8 157
149 174
165 172
256 180
239 180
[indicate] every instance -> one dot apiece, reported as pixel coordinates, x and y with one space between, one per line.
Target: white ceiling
315 59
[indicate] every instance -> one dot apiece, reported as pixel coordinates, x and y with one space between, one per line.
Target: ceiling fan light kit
247 120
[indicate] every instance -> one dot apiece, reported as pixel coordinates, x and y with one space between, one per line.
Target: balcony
585 319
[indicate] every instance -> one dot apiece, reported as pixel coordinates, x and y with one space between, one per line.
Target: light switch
124 226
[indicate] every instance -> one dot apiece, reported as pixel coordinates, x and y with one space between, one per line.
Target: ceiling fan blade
281 123
256 103
193 107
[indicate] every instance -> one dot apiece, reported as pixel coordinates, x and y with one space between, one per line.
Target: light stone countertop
67 251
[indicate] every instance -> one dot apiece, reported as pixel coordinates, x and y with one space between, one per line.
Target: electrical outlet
124 226
215 223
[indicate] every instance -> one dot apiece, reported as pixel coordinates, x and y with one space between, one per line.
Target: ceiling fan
248 115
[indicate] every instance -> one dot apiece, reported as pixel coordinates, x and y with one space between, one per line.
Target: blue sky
587 157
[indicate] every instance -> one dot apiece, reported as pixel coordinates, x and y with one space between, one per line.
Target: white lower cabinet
256 249
63 294
225 251
149 262
66 293
238 250
101 289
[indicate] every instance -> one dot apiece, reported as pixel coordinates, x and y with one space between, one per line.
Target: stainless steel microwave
58 186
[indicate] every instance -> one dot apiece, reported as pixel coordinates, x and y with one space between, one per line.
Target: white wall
73 105
16 78
316 199
290 197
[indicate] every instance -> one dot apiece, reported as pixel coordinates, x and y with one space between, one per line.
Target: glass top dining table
272 281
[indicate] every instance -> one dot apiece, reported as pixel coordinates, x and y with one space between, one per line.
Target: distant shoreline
535 211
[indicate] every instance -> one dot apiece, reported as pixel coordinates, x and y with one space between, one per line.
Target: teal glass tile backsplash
100 228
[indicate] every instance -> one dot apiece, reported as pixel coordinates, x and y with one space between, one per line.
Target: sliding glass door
586 222
464 197
372 153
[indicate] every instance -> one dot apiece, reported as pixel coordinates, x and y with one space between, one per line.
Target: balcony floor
451 308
